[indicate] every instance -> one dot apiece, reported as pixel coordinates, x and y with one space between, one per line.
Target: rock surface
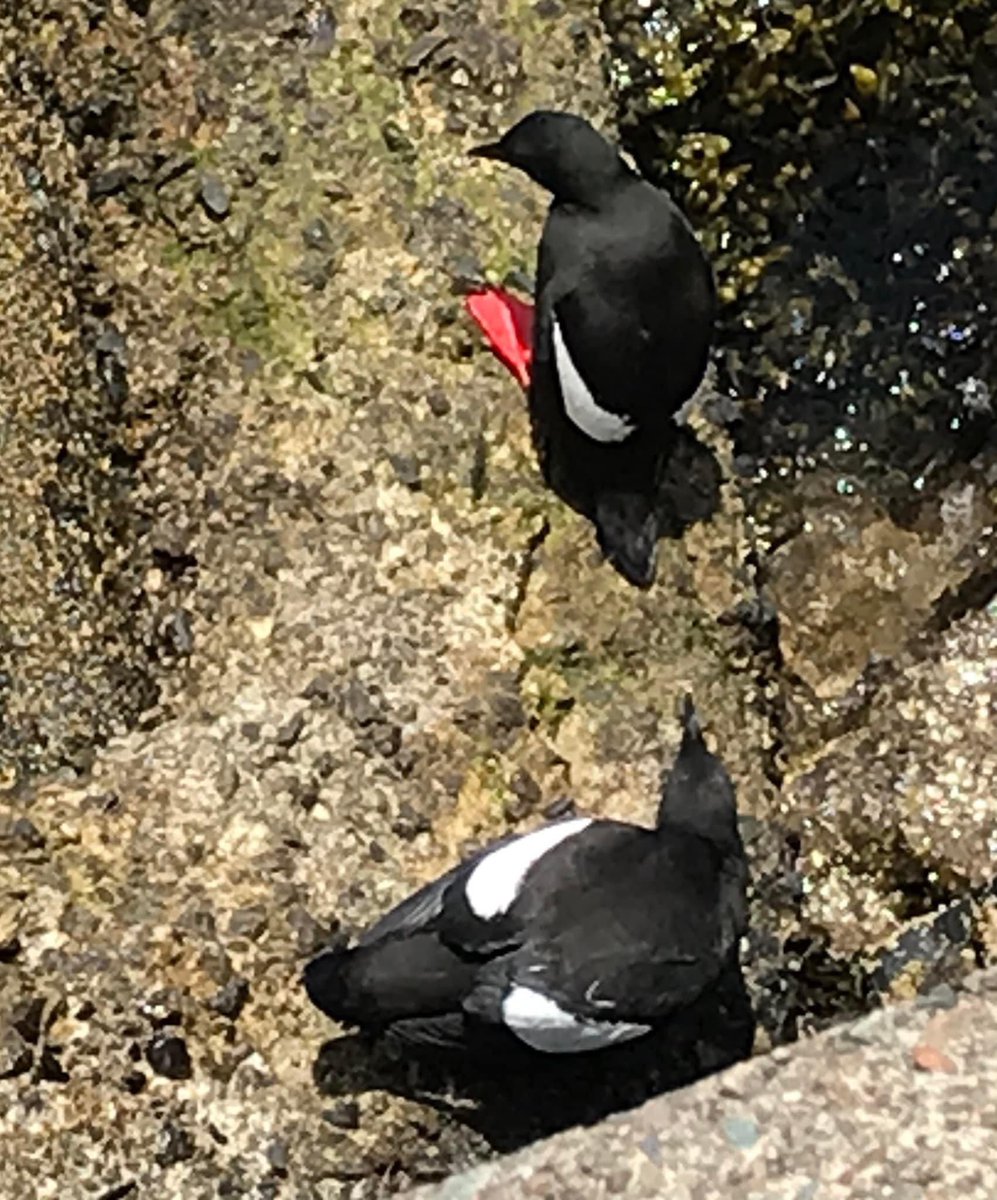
287 622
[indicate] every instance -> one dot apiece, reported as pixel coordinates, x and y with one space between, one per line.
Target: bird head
698 794
561 152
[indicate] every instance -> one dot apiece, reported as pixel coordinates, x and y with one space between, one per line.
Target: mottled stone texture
287 621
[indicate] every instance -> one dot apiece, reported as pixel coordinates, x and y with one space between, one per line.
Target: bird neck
718 828
594 187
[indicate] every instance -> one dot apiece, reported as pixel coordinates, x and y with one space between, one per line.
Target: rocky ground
287 620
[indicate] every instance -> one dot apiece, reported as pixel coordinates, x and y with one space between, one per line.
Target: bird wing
425 906
621 363
445 1032
636 321
642 928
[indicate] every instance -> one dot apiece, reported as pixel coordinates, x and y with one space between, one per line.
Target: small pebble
438 401
563 806
179 632
741 1132
230 1000
358 705
134 1082
525 798
26 835
407 470
175 1145
929 1058
343 1115
277 1156
322 688
168 1055
214 196
289 733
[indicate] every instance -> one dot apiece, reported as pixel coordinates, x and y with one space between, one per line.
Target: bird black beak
489 150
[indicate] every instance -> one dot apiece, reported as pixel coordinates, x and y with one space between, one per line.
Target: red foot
507 323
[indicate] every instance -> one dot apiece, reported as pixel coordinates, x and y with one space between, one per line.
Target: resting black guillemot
577 936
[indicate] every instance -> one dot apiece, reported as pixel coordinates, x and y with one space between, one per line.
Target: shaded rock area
900 1101
287 622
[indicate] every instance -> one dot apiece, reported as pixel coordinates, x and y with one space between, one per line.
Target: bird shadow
689 487
515 1099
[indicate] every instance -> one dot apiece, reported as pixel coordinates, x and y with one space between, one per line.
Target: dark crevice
524 572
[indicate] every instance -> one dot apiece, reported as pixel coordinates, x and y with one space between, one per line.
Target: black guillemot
575 937
625 306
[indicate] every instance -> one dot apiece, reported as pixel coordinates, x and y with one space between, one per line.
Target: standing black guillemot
625 308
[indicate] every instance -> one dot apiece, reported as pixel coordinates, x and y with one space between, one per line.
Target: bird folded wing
648 989
507 323
425 906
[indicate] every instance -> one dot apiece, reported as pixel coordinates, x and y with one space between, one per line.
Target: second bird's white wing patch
494 883
579 403
544 1025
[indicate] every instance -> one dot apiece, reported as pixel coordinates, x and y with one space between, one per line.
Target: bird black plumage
577 936
625 307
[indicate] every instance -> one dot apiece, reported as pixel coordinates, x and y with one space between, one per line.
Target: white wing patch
579 403
544 1025
494 883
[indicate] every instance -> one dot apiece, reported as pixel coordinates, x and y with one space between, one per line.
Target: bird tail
627 530
388 981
